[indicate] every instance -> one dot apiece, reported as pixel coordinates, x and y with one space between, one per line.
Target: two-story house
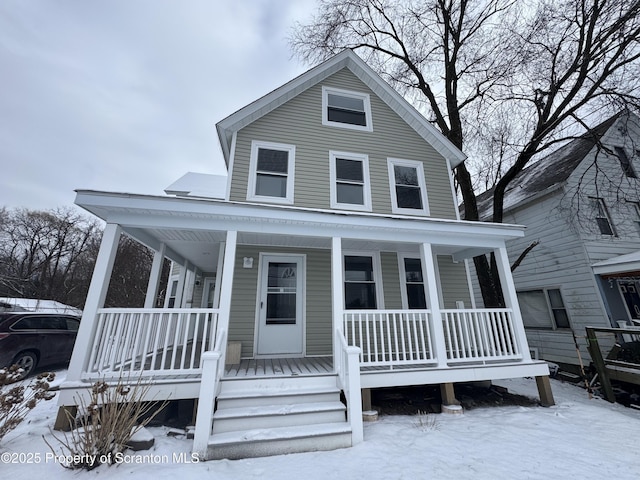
581 203
332 262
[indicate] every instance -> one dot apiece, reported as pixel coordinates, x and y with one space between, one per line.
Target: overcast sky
124 95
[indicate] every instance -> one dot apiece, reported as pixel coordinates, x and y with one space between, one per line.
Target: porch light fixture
247 262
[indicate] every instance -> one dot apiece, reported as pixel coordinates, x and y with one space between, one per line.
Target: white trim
392 162
351 94
366 192
253 167
377 274
453 190
232 157
302 308
206 282
472 295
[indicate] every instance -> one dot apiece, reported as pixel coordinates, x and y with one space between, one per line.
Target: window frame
256 145
404 294
602 212
550 309
419 166
377 277
626 163
366 192
636 209
365 97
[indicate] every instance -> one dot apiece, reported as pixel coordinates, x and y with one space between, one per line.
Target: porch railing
151 341
474 335
390 337
349 381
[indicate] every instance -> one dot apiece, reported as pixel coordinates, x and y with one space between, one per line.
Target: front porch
377 302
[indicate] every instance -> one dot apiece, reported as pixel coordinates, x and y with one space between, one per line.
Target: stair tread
277 409
273 392
279 433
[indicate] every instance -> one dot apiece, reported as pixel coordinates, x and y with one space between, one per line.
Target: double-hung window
350 187
543 309
271 172
346 109
602 217
625 162
406 182
411 270
360 291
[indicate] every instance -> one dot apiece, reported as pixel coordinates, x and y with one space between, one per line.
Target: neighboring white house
581 204
36 305
333 262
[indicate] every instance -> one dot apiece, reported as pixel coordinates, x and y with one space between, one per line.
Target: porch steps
274 416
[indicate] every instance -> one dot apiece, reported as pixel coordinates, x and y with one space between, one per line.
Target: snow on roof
194 184
36 305
619 264
546 174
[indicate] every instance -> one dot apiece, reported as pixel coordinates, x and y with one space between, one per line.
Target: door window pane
281 293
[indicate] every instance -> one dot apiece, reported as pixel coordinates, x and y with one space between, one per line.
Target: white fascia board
349 59
165 212
620 264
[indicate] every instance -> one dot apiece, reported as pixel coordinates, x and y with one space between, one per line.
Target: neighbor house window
350 181
636 214
411 269
360 282
408 192
271 172
346 109
602 216
543 309
625 162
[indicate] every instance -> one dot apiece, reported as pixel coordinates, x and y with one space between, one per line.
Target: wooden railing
474 335
390 337
151 341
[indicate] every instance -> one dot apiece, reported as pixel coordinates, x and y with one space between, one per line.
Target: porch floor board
279 367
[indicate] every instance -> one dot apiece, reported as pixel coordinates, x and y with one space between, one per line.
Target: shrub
16 399
106 423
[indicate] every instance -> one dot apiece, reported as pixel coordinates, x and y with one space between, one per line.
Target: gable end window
406 183
350 187
543 309
271 172
625 163
346 109
603 219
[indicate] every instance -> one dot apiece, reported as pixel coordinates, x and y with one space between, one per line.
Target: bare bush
113 414
17 399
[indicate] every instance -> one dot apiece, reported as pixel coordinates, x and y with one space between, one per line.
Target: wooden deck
280 367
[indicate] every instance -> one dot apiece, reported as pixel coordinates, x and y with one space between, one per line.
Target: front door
281 305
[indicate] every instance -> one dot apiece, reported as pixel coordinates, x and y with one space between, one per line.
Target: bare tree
506 79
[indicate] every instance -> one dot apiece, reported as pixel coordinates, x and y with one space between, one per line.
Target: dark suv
32 339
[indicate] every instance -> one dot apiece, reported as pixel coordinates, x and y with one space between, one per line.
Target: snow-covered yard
578 438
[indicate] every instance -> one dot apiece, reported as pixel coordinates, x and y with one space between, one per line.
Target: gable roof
345 59
547 174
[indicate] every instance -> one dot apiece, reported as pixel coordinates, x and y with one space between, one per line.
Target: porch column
337 295
433 300
181 282
226 283
154 277
95 299
511 300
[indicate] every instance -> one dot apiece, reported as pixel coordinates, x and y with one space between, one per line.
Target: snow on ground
577 438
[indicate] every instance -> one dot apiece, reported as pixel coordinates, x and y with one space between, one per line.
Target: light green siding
453 281
299 122
391 280
318 298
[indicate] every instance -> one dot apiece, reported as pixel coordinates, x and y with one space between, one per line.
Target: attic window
602 216
346 109
625 163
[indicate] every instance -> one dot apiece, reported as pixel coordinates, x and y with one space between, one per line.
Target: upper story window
625 163
543 309
406 182
346 109
602 216
350 188
271 172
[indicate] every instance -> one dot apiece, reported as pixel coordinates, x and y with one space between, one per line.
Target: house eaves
350 60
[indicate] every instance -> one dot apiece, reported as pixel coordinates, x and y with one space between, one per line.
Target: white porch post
226 281
154 277
181 282
439 345
95 300
511 299
337 295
